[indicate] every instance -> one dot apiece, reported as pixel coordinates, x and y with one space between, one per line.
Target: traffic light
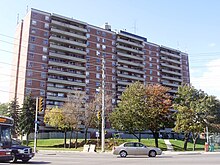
99 115
40 104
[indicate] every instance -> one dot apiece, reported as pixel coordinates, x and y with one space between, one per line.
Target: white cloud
212 44
209 80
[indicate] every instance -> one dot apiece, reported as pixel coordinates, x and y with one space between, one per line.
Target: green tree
194 112
55 118
27 117
3 109
128 116
157 109
13 112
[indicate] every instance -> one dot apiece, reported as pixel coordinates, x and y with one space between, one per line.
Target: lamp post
103 106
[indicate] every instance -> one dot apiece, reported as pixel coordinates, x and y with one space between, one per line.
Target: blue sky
191 26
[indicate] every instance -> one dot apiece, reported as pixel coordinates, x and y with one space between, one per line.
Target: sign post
35 127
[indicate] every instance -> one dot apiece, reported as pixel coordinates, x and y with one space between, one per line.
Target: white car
136 148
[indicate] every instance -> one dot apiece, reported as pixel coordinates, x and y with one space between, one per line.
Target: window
47 18
113 50
98 46
151 72
44 58
30 64
151 78
33 31
157 60
113 36
43 66
113 78
151 65
98 68
46 25
43 75
29 73
150 58
45 42
97 84
28 91
88 29
113 71
113 43
113 57
103 47
157 54
45 49
31 55
113 85
87 74
158 67
113 101
103 54
87 51
158 73
29 82
98 75
97 53
87 81
103 34
42 92
87 35
87 65
113 63
33 22
103 40
42 84
98 60
158 79
32 47
46 34
87 43
98 32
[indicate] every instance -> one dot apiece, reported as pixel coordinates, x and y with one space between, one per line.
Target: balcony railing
171 66
130 43
68 34
172 78
68 26
66 73
130 56
51 54
130 70
66 82
129 49
56 39
170 60
130 63
170 54
171 72
131 77
66 65
170 84
56 98
67 49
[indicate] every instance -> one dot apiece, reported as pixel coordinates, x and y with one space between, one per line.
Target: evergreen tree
13 112
27 117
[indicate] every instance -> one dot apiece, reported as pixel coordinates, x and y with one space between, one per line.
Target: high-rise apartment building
56 55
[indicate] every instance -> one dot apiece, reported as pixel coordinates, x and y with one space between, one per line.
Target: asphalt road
75 158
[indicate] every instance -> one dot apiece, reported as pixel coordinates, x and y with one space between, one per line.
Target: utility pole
35 127
103 105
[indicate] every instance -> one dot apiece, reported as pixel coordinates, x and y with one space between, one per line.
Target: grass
178 145
57 144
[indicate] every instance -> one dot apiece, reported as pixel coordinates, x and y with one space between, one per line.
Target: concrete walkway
169 145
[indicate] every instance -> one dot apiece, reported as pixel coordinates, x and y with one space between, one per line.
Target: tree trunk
194 141
156 135
64 138
85 134
138 137
71 132
27 140
186 138
76 140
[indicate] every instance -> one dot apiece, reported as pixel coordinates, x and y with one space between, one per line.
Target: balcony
129 49
171 66
57 39
130 43
130 56
171 72
66 73
66 82
123 82
68 34
131 77
173 91
129 36
170 60
67 57
53 89
65 25
66 65
172 78
67 49
130 63
130 70
170 54
170 84
121 89
56 98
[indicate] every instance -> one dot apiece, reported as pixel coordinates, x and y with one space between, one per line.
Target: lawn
178 145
